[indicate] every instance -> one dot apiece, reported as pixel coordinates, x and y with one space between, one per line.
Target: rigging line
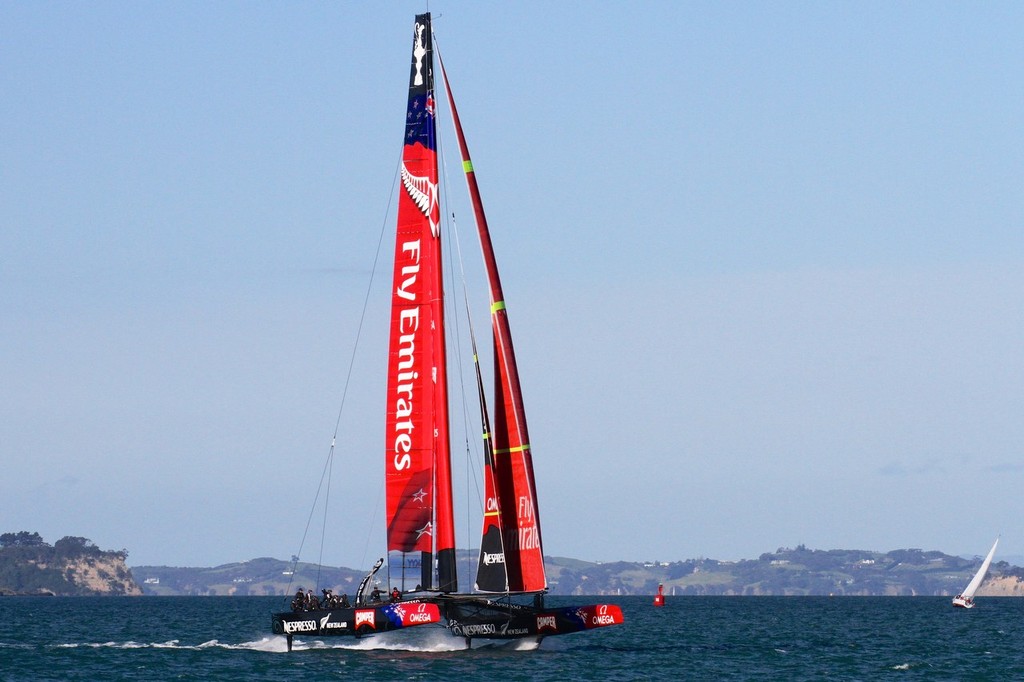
328 464
471 478
453 236
366 298
478 217
362 317
453 232
452 330
472 336
309 519
323 526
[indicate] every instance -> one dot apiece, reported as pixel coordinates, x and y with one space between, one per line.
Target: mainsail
976 581
417 459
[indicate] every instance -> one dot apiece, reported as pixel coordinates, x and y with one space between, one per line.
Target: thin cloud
899 469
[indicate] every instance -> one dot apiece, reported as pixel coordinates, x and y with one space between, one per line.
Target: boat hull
355 622
487 619
962 603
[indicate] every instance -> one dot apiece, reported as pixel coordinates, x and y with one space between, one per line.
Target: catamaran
965 599
508 597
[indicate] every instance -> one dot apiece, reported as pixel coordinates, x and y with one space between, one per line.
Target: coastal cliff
1002 586
72 566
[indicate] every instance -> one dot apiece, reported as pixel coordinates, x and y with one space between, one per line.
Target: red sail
513 482
417 460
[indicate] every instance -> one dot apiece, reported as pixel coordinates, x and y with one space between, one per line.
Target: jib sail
511 527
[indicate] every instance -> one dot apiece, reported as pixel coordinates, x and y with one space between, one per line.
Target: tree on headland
69 546
21 539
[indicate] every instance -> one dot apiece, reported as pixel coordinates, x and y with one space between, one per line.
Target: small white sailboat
965 599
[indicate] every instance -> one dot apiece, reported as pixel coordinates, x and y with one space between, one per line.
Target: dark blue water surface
697 638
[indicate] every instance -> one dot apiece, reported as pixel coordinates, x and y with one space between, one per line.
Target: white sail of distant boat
966 598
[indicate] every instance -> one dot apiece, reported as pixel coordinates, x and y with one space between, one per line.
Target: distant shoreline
786 572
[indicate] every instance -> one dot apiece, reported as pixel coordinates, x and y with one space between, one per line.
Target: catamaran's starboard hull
485 619
355 622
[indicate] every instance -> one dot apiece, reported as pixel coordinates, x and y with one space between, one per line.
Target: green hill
798 571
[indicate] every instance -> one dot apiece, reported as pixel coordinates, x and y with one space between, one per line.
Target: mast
417 455
511 517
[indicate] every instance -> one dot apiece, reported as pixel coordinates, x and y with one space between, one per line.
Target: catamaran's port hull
354 622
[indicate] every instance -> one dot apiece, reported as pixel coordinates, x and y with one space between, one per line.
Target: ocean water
691 638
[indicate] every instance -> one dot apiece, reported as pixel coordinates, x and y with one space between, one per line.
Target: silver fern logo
423 193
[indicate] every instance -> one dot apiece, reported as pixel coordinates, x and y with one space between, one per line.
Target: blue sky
764 263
